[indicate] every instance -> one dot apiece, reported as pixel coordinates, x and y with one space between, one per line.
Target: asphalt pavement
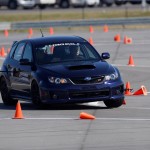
59 127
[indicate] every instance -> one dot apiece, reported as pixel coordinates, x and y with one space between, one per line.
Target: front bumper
82 93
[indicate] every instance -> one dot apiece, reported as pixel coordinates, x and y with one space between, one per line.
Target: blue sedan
59 69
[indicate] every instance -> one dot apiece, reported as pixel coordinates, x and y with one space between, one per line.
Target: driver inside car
74 52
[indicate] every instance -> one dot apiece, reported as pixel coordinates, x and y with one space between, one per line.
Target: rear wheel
35 93
113 103
6 98
12 4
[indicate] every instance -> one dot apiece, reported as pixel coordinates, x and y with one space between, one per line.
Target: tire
35 93
5 94
91 6
148 1
42 6
64 4
118 3
12 4
135 2
108 4
113 103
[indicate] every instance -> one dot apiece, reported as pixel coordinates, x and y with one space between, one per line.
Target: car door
14 67
24 77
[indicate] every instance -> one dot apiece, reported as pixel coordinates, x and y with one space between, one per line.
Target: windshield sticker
60 44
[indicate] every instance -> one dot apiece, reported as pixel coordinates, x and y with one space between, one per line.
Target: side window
91 54
12 50
18 52
27 52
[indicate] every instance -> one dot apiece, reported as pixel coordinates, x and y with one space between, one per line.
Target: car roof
56 39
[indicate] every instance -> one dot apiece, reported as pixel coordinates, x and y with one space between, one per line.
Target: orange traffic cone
30 31
6 33
3 52
141 91
127 40
128 89
131 61
84 115
124 102
91 29
51 31
91 41
18 113
117 38
105 29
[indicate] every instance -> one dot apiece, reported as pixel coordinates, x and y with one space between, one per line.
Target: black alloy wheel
35 93
6 98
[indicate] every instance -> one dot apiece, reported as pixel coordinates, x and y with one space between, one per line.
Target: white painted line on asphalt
113 119
140 108
52 118
125 119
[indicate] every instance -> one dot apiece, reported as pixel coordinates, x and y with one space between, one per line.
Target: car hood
80 69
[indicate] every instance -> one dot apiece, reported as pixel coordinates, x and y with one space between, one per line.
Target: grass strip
68 15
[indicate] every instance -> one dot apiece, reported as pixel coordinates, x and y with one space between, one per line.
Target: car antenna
41 32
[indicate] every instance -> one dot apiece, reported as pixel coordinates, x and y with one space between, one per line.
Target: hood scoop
81 67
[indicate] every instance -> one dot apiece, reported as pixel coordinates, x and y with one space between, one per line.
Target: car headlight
112 76
57 80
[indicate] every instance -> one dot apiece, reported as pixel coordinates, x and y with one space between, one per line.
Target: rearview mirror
105 55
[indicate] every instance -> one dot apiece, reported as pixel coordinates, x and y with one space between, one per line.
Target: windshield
65 52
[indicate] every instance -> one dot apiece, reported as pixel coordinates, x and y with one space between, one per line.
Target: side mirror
25 62
105 55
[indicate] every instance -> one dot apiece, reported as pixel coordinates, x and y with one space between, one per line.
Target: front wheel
113 103
35 93
6 98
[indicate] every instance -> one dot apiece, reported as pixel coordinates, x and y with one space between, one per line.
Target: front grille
93 80
89 94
